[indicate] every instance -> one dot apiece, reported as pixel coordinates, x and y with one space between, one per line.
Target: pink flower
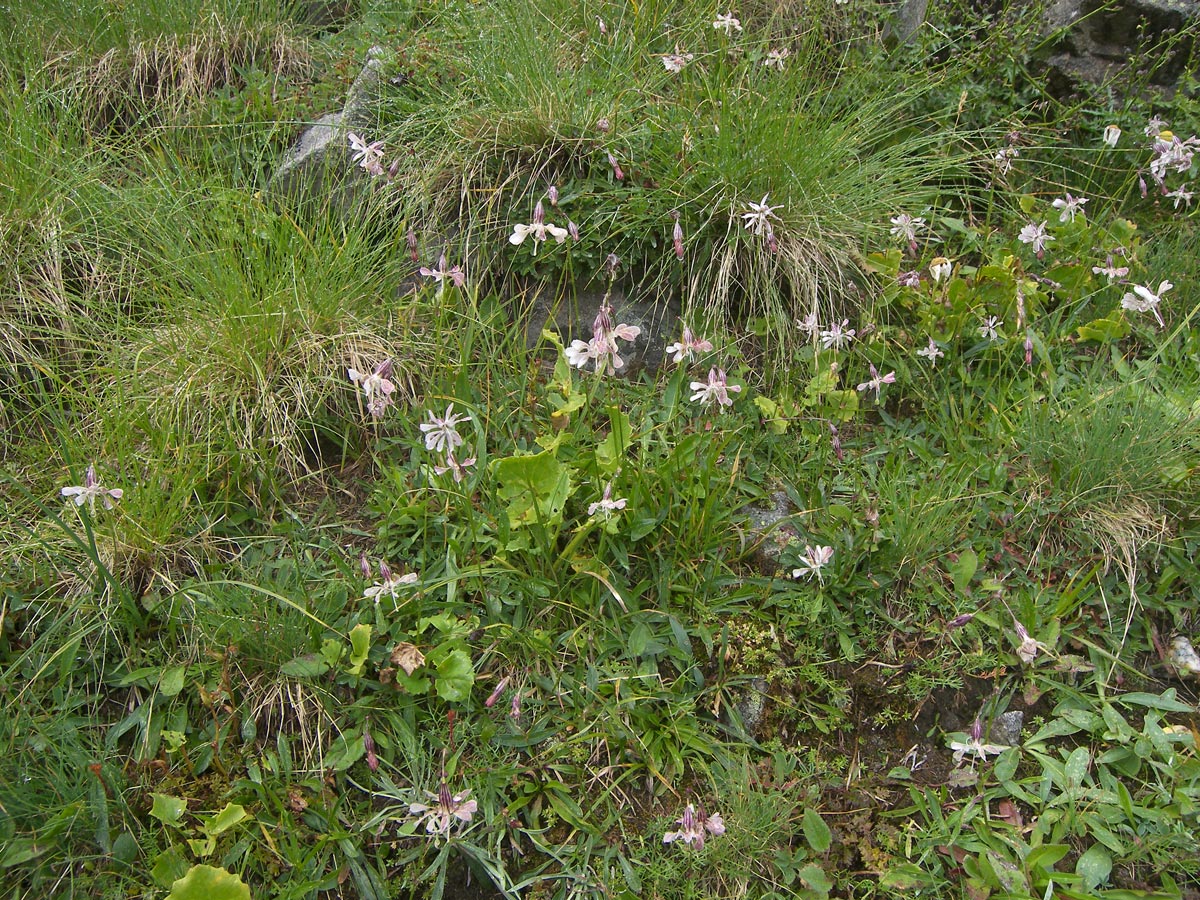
90 490
675 62
1112 272
775 59
715 390
459 469
377 387
837 336
441 274
606 506
689 346
602 349
814 560
877 382
441 815
552 194
369 156
389 583
616 167
905 227
1069 206
441 432
539 229
693 827
1037 236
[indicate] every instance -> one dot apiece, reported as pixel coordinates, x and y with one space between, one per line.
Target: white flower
1181 195
1112 134
976 748
727 23
90 490
877 381
377 387
1004 159
939 268
453 465
837 336
389 583
988 330
1144 300
775 59
757 220
606 505
440 816
689 346
441 274
905 226
932 352
603 348
441 433
693 827
579 353
810 324
1069 206
715 390
1154 127
539 229
1028 649
814 560
369 156
675 62
1037 236
1113 272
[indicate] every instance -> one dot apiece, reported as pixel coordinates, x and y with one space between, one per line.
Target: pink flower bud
552 193
412 245
393 170
678 237
573 230
495 695
616 167
539 214
515 709
365 565
369 746
1028 351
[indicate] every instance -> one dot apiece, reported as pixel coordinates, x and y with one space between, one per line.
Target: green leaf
167 809
345 751
360 646
1094 867
455 675
209 883
816 832
224 820
536 488
1165 701
611 450
1045 857
1077 766
169 866
816 879
1112 327
310 665
172 681
963 570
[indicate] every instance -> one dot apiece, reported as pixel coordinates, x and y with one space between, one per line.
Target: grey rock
1006 728
318 165
751 706
572 319
905 23
769 531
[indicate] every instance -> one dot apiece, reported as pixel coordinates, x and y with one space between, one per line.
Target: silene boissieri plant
441 436
602 350
90 490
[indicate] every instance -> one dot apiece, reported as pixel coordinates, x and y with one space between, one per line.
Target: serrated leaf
209 883
816 832
167 809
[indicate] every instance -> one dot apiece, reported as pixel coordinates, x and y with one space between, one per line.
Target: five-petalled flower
602 349
90 490
441 274
757 220
837 336
715 390
441 432
1145 300
877 381
369 156
1037 236
813 561
974 746
727 23
689 346
377 387
389 583
539 229
693 826
1069 206
606 505
932 352
440 815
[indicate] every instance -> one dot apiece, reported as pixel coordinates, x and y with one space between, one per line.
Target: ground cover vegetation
320 581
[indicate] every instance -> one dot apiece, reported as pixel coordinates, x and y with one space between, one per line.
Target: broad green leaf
455 675
816 832
209 883
963 570
310 665
172 681
1165 701
1046 857
167 809
346 749
169 866
360 646
611 451
225 819
1077 766
816 879
1094 867
1113 327
536 488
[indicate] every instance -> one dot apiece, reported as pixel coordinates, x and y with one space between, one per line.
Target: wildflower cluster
377 387
602 350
